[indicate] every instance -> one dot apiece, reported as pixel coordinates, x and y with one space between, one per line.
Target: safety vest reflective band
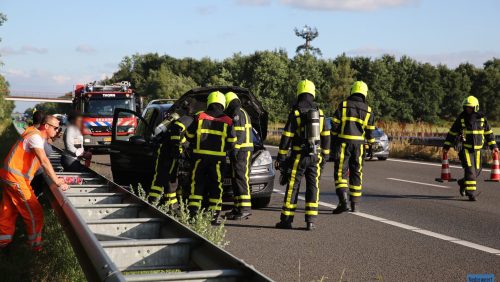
19 162
472 134
201 132
248 143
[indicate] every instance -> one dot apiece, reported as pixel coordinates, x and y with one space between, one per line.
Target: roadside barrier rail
119 237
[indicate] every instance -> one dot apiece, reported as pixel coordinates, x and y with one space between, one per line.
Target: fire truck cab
97 103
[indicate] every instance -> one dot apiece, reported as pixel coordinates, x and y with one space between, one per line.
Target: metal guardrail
118 237
430 141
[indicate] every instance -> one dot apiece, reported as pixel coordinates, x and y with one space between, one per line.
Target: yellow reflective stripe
219 180
370 127
290 206
318 173
175 137
447 143
452 133
351 137
211 131
326 151
473 147
341 181
297 117
292 180
358 120
311 212
231 139
288 212
334 134
474 131
488 132
321 120
325 133
283 152
171 195
152 194
239 128
344 114
492 142
180 124
245 204
341 163
224 135
467 158
171 201
472 182
156 165
189 135
478 159
371 140
288 134
157 188
195 204
193 182
296 148
361 158
214 201
470 188
335 120
354 187
172 166
247 179
244 197
367 117
312 205
208 152
355 194
195 197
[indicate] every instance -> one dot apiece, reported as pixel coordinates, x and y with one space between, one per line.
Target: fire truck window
106 107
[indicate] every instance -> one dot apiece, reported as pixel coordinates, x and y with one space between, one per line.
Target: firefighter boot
310 226
462 186
284 225
472 198
342 207
353 206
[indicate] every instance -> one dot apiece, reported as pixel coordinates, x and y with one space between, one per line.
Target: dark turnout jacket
474 130
353 121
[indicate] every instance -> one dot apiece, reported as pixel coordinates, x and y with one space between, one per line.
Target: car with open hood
133 158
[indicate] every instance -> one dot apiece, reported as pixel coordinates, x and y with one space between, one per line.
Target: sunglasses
55 127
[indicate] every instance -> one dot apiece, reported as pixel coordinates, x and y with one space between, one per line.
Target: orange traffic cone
445 170
495 169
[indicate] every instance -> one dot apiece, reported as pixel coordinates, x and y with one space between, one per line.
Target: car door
132 158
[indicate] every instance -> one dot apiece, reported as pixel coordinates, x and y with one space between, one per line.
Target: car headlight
263 159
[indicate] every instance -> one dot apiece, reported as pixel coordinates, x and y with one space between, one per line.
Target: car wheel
260 203
382 158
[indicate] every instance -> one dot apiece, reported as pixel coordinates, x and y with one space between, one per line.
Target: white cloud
24 50
60 79
86 49
349 5
206 10
254 2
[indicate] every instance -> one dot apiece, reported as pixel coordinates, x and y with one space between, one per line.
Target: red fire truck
97 103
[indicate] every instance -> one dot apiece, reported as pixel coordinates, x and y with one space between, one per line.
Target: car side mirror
138 140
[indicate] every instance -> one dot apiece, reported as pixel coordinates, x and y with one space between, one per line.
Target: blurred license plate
227 181
107 139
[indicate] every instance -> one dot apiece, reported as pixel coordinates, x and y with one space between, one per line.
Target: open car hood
198 98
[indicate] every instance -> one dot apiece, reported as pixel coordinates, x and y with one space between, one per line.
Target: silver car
380 149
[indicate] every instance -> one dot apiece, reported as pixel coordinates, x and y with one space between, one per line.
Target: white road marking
412 228
420 183
425 163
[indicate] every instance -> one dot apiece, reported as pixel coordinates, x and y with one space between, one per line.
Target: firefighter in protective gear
309 140
16 173
352 124
211 137
474 131
240 162
172 140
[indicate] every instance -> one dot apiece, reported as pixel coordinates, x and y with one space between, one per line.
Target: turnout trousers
348 169
164 178
308 166
241 181
471 162
206 183
19 199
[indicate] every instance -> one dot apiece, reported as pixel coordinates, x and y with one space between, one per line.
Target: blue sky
52 45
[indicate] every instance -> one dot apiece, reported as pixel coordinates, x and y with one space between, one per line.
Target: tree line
400 89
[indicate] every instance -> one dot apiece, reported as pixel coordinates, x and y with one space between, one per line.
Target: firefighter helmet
471 101
216 97
230 96
306 86
359 87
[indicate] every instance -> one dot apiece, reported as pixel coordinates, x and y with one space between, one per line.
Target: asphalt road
406 231
409 228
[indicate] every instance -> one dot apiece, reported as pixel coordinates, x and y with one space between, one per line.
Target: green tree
163 83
